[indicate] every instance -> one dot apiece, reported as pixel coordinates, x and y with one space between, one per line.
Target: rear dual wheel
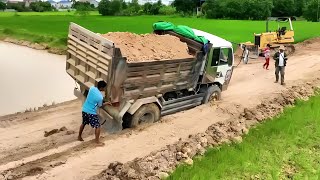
148 113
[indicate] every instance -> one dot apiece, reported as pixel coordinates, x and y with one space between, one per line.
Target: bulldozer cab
284 26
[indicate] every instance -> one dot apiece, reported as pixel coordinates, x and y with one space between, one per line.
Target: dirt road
25 153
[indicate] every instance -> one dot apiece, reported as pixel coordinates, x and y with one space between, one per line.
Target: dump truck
142 92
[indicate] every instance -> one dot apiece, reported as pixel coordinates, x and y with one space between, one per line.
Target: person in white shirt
280 64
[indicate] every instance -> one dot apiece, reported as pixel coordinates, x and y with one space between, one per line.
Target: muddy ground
155 150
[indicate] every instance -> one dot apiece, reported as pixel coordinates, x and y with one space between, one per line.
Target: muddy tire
148 113
213 94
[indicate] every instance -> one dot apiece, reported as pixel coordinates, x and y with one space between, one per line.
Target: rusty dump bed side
151 78
91 58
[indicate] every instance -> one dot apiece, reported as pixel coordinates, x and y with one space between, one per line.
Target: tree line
218 9
251 9
38 6
122 8
212 9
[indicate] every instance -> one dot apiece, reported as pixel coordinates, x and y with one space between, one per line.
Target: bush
3 6
40 6
20 7
234 9
167 10
82 10
185 6
311 13
109 8
81 5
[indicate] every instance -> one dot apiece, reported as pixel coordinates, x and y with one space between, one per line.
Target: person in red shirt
267 56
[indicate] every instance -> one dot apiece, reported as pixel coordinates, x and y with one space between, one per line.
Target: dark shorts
91 119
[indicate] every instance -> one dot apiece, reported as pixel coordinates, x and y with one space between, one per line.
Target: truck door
225 67
212 64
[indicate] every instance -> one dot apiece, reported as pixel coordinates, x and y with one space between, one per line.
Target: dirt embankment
148 47
154 150
37 46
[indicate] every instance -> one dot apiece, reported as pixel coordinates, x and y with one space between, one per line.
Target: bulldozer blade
290 49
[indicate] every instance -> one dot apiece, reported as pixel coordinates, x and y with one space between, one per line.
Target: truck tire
213 93
148 113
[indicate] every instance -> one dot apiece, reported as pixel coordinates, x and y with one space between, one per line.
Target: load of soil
148 47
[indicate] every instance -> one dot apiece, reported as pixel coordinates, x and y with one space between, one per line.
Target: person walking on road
89 110
280 64
267 57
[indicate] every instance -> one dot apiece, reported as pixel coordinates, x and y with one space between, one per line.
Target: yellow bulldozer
283 35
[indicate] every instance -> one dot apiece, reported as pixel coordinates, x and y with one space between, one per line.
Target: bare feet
80 139
100 144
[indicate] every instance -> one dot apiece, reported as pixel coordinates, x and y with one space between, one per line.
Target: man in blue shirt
93 101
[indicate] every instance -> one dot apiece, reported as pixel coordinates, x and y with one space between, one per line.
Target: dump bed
91 58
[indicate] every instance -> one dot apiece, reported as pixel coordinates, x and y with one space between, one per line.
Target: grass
52 27
286 147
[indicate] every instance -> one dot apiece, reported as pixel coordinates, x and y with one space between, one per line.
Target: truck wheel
213 94
148 113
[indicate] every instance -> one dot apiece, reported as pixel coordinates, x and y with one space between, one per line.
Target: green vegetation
286 147
40 6
52 27
250 9
212 9
3 6
312 12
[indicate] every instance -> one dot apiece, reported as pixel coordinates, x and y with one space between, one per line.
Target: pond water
31 78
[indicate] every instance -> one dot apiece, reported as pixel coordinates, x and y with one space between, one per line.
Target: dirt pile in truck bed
148 47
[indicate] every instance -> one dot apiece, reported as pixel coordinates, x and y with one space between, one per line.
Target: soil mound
148 47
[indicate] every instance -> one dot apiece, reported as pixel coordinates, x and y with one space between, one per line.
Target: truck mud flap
110 124
111 118
181 104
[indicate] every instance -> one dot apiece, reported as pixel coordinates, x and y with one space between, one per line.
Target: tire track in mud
40 165
14 119
46 162
8 153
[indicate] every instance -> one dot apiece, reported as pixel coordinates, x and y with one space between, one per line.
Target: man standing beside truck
89 110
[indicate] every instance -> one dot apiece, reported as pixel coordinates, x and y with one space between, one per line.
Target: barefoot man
89 110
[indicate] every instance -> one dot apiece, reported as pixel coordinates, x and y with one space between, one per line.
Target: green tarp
163 26
180 29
